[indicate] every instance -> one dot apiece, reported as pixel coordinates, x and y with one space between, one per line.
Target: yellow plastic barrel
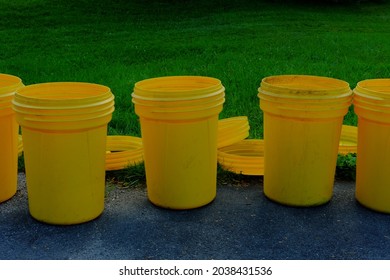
8 137
372 106
64 128
179 126
303 117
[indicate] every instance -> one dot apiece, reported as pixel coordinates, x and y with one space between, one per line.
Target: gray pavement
239 224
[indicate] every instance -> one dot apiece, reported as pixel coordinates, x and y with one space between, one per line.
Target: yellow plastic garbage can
8 137
179 126
64 129
303 117
372 105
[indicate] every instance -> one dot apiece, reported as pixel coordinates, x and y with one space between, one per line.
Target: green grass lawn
117 43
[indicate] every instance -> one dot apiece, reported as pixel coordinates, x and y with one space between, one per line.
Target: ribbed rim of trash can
376 89
63 95
9 84
177 88
304 87
63 106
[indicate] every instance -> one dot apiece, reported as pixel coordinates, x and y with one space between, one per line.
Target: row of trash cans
64 128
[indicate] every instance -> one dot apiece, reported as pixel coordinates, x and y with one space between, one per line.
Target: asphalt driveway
241 223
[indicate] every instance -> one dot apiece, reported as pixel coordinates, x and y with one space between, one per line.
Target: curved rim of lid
232 130
244 157
122 151
20 145
348 140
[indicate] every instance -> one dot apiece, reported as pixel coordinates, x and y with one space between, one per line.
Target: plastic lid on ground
123 151
20 145
348 140
232 130
245 157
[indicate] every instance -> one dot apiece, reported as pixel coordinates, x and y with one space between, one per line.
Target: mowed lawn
117 43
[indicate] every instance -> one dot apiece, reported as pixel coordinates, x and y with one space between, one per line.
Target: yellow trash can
372 105
8 137
303 117
64 128
179 125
